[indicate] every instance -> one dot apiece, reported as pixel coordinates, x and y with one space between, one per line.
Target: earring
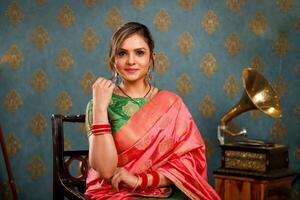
149 77
117 78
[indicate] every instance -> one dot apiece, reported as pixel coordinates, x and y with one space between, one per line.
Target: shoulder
170 95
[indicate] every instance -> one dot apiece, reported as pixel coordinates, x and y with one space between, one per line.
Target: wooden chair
64 183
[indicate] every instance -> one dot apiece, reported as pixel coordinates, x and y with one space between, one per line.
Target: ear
153 56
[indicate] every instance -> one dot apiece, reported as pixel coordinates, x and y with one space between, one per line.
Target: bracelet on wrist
155 180
100 129
144 182
136 184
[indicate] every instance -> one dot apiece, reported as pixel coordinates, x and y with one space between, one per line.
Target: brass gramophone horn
258 94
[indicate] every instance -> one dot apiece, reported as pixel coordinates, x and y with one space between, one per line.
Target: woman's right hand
102 93
103 156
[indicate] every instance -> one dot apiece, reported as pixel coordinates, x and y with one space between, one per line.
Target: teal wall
38 79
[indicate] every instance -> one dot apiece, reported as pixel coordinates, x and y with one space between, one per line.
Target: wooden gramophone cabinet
253 172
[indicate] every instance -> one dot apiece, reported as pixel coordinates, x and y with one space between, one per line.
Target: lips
131 70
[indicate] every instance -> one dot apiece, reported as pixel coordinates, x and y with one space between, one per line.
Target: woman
142 140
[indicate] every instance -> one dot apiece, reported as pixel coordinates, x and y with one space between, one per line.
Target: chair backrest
64 183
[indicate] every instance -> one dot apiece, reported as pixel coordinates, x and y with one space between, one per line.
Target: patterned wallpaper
52 51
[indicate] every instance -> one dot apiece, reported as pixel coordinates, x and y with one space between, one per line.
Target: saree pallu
161 136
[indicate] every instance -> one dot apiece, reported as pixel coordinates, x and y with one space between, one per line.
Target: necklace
131 97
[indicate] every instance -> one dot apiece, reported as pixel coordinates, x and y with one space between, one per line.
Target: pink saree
161 136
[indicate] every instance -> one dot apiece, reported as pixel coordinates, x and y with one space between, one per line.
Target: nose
130 60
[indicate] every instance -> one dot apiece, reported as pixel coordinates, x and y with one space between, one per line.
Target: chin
133 79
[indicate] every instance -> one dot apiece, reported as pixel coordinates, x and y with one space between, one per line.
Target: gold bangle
136 184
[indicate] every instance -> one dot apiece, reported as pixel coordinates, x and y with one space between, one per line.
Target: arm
164 181
102 151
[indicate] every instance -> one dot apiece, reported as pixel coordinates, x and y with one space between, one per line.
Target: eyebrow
142 48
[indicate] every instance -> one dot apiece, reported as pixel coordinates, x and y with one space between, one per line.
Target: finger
102 83
115 176
112 84
98 81
113 179
102 80
115 182
107 83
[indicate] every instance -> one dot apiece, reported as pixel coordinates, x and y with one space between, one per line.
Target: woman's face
132 59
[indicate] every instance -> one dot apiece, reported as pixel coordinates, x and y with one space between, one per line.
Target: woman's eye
121 53
140 53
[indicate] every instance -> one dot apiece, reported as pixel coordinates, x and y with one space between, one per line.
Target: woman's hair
124 32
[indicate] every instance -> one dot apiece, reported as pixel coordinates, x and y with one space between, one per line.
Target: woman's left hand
123 176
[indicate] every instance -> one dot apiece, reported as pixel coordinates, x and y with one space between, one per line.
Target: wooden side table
232 187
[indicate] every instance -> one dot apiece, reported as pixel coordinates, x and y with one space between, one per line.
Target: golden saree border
139 124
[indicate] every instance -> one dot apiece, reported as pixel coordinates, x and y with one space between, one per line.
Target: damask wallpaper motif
52 51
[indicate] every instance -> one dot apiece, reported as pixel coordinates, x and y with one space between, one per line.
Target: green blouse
120 110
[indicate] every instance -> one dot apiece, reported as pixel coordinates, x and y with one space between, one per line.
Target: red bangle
97 126
144 183
100 133
99 129
155 180
102 130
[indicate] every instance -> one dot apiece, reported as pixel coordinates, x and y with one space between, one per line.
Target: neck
136 89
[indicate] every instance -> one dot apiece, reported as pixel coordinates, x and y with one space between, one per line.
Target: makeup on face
132 59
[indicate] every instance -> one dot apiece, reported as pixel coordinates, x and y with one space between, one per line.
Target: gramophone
246 156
